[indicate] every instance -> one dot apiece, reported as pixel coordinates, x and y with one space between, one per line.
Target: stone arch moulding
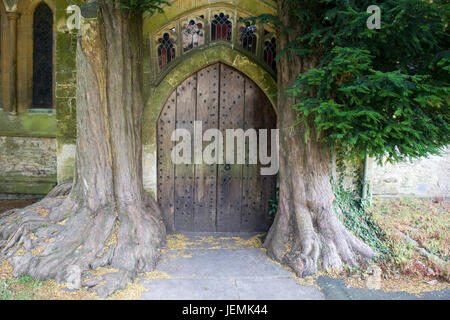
179 8
169 36
160 93
9 5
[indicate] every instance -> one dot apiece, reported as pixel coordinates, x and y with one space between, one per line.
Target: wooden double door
217 197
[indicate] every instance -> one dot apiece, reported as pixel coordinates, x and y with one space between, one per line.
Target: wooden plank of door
206 175
184 173
166 173
254 214
229 179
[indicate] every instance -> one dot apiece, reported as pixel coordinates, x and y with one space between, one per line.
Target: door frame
160 92
167 116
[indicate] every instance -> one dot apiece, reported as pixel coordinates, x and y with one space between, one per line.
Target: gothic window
221 27
247 38
196 30
43 57
166 50
270 51
193 35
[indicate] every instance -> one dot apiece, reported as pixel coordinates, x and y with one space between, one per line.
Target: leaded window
270 51
193 35
247 38
206 26
43 57
221 27
166 50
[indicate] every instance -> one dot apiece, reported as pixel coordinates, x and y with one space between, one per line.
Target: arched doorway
42 57
222 198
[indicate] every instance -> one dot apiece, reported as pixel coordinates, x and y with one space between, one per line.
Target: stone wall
27 135
65 92
426 177
27 165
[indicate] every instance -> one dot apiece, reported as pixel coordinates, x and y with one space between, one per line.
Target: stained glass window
43 57
247 39
193 35
221 27
270 51
166 50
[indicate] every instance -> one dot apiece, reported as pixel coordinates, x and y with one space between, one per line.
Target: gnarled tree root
323 243
48 238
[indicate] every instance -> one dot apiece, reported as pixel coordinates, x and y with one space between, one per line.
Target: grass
425 221
27 288
23 288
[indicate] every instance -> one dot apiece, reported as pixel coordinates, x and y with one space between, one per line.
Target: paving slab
223 267
190 289
220 263
336 289
276 289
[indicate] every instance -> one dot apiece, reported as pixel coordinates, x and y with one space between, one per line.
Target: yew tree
343 86
107 220
381 92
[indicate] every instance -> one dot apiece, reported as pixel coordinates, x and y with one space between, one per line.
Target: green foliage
355 219
150 6
351 209
30 281
382 92
5 293
273 203
27 286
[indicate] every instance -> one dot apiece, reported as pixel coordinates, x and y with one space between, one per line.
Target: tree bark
108 219
306 233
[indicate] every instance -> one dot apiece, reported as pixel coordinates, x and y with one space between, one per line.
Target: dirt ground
6 205
426 224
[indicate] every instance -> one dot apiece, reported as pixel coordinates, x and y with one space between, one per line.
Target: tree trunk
108 219
306 233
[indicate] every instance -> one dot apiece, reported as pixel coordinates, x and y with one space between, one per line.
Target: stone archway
160 92
214 197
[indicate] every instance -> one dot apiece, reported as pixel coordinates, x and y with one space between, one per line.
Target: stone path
336 289
221 267
206 266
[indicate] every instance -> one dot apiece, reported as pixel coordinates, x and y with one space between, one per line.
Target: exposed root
327 245
307 234
47 239
109 283
61 190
